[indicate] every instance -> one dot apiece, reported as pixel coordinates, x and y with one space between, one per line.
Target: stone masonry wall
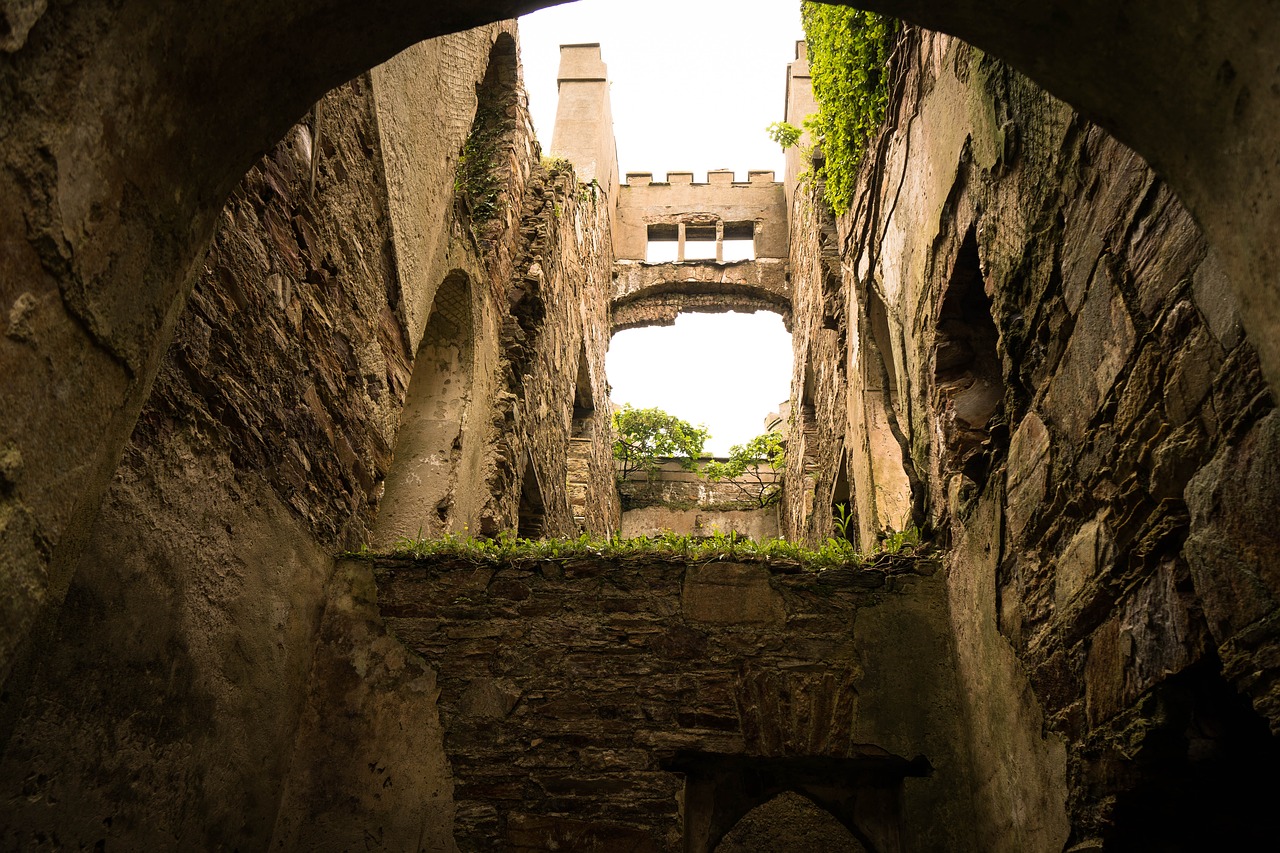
557 332
1037 320
572 691
183 652
207 648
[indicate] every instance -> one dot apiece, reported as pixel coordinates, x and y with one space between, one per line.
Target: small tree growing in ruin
643 436
743 467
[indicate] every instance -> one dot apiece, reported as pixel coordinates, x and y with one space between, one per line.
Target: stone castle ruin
246 353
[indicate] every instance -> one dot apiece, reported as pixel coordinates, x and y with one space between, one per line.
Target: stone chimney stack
799 104
583 133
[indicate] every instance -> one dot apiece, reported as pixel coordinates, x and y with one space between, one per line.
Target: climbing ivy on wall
848 53
478 179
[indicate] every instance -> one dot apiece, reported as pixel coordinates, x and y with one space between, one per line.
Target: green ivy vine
848 54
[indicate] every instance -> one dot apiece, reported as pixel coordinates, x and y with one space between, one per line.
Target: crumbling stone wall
207 649
593 703
182 655
557 333
682 502
1059 357
819 382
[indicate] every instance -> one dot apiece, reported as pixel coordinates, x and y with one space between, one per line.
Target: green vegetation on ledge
834 553
477 179
848 54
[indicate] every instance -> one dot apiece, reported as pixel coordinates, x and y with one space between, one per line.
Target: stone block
1090 551
489 697
1028 472
731 593
1212 293
1190 375
1100 345
1234 544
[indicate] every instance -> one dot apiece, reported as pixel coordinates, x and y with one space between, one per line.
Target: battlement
715 177
717 209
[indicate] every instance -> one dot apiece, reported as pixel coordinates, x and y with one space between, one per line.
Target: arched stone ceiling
127 123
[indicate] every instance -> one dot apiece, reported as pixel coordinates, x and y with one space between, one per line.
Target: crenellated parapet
682 211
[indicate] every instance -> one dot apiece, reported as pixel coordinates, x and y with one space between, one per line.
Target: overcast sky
694 84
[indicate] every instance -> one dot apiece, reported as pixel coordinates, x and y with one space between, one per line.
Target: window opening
532 514
701 240
967 370
726 371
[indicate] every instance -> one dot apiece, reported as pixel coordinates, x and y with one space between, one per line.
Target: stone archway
788 823
420 488
114 175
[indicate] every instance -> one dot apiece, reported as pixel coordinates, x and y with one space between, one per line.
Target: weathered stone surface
1089 553
1100 344
367 761
637 662
727 593
1028 472
1234 552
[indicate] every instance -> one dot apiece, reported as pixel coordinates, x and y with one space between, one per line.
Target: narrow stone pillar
720 241
680 243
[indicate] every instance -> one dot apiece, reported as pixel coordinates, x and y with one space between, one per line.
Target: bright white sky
694 85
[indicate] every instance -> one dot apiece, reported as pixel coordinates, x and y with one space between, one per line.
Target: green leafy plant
477 180
505 547
896 542
784 133
556 165
848 53
743 467
641 437
843 521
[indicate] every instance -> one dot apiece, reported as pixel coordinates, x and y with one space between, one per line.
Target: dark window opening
1198 779
583 400
842 511
532 516
720 790
968 382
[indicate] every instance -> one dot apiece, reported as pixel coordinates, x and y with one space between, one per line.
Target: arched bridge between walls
648 704
654 294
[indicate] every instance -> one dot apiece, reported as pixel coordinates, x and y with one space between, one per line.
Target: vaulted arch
421 485
104 218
